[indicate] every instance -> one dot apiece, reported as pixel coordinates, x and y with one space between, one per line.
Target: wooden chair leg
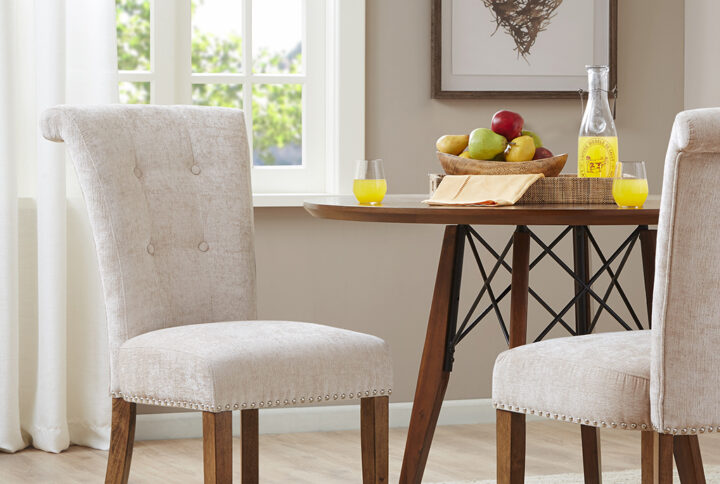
510 447
122 436
688 459
217 447
657 458
249 446
649 447
374 439
592 463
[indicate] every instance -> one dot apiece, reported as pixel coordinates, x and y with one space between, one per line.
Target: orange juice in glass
630 186
369 185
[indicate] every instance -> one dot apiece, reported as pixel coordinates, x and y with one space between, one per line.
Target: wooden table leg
519 288
510 427
434 373
648 240
590 436
581 260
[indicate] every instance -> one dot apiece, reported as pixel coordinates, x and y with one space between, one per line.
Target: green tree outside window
276 108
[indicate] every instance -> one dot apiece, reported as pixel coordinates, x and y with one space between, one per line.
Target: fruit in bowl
542 153
452 143
507 124
521 148
534 136
504 141
485 144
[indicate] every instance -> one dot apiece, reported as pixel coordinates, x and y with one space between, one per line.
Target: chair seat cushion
252 364
599 380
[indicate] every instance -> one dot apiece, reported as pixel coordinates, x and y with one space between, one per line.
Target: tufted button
195 169
138 172
203 246
151 249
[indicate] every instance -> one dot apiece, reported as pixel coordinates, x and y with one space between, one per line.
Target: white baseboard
188 425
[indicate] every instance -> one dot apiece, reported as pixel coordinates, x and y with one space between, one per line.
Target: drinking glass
630 186
370 186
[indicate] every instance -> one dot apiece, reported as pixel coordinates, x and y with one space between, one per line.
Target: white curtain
53 343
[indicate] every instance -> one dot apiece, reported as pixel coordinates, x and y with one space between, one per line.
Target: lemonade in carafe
597 142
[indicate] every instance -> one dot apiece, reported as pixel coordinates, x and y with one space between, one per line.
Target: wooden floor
461 452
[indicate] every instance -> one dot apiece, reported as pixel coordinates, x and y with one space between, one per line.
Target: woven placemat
569 189
560 189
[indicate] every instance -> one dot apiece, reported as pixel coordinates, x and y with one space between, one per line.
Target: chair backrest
168 193
685 377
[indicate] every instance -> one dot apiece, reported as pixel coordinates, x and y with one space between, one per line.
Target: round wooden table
443 331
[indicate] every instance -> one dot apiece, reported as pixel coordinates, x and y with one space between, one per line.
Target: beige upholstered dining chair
664 381
170 204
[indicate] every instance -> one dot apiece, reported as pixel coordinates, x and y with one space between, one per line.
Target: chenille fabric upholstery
667 377
685 383
594 380
253 364
168 194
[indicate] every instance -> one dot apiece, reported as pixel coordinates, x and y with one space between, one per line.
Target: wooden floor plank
460 452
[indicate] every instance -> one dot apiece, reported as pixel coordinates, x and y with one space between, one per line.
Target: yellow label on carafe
597 156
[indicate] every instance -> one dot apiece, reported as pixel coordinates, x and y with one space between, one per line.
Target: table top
410 209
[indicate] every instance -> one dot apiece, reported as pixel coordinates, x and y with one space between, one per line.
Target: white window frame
333 79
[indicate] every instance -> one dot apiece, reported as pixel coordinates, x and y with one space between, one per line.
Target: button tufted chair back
685 382
168 192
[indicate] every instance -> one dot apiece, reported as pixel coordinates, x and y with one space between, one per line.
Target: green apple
534 136
485 144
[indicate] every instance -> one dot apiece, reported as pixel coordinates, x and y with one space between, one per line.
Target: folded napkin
490 190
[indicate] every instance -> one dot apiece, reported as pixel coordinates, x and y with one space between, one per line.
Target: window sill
283 199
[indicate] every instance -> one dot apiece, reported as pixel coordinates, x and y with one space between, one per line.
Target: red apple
508 124
542 153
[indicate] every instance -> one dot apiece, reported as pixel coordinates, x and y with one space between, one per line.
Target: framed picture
529 49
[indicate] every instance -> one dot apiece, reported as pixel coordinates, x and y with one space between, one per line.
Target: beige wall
378 278
702 69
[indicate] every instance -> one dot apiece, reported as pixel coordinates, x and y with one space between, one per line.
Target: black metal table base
583 244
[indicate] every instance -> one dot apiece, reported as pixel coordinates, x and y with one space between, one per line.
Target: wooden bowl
455 165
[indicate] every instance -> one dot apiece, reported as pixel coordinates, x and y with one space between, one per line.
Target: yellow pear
453 144
521 148
465 154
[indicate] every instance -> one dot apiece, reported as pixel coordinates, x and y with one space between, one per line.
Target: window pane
277 36
224 95
134 92
216 43
277 124
133 35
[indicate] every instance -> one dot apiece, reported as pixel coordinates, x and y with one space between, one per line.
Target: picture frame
528 69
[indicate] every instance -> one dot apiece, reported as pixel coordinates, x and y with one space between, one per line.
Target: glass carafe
597 142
